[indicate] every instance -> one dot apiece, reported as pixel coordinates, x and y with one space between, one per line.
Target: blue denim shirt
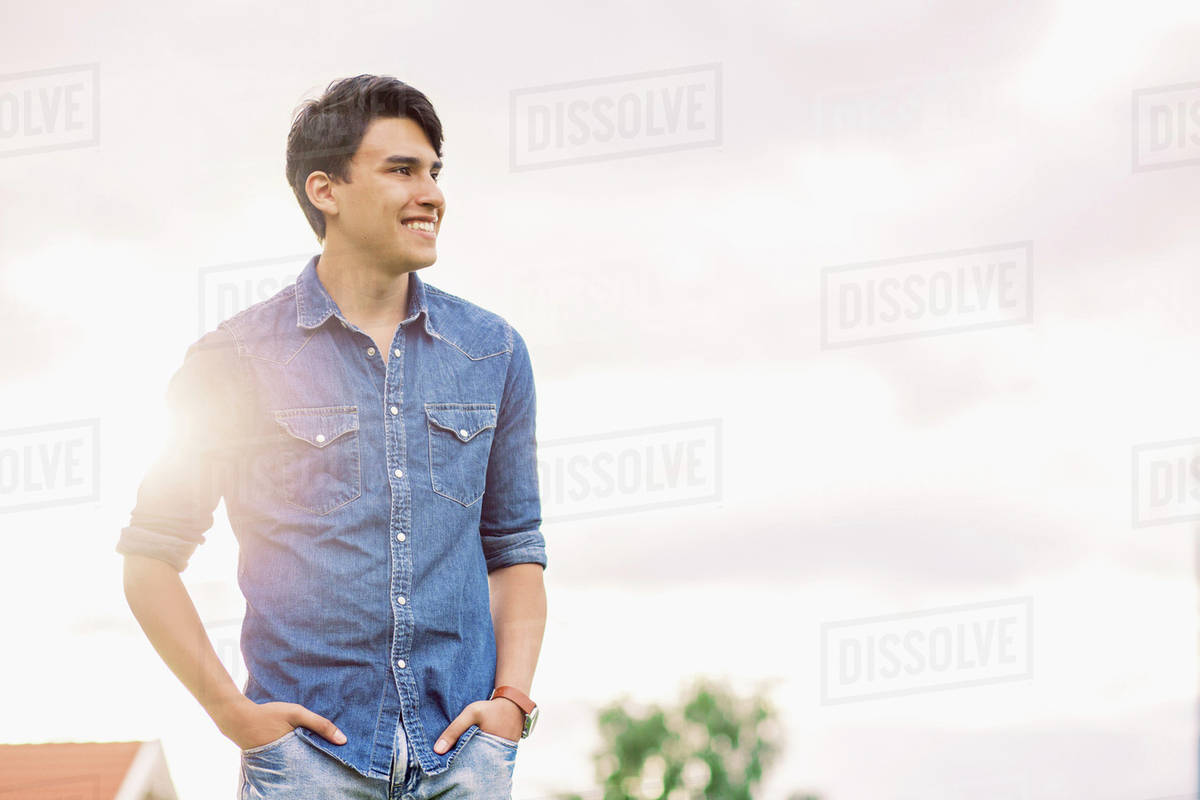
369 500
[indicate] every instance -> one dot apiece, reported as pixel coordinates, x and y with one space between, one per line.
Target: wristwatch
523 702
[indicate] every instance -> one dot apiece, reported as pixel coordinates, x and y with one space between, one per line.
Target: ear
319 188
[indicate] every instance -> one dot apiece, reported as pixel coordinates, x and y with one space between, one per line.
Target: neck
369 294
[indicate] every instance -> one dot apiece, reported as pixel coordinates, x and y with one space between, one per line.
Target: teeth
420 226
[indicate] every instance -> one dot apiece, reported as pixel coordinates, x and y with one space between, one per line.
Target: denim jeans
290 768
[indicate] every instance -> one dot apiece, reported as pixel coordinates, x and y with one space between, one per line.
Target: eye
436 175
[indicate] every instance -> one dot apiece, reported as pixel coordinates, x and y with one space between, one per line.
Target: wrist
227 708
514 716
508 704
523 703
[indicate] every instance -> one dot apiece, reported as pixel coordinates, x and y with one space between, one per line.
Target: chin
412 262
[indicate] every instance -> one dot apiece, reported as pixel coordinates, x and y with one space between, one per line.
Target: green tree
712 745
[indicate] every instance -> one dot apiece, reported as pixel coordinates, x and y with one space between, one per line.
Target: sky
1003 470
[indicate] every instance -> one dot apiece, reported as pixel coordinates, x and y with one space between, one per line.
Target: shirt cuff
527 547
145 542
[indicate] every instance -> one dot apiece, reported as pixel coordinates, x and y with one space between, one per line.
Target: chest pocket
460 440
320 460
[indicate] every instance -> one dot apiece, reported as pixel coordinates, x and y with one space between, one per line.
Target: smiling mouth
421 227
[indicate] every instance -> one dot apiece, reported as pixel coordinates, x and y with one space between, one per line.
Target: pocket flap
464 420
318 426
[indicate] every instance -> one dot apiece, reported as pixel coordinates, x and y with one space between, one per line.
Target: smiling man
373 439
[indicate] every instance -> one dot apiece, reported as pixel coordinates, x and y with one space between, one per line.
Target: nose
430 194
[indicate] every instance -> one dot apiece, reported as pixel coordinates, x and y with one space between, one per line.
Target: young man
373 438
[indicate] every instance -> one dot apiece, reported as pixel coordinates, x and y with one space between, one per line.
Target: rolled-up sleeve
511 517
180 490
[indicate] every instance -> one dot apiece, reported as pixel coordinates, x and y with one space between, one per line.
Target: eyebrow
410 161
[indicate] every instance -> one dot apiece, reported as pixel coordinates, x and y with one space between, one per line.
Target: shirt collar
314 305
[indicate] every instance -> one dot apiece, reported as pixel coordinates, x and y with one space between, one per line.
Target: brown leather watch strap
516 695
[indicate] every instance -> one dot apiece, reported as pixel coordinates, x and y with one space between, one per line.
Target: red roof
64 771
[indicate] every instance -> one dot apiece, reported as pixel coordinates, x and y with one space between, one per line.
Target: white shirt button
320 437
463 432
401 600
399 473
370 351
395 410
400 536
396 351
400 663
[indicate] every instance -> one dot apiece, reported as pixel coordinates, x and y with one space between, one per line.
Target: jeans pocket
509 743
460 441
320 458
262 748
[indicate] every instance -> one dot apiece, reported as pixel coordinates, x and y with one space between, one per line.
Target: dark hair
327 131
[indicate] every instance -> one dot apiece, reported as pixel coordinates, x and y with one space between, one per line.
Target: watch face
530 720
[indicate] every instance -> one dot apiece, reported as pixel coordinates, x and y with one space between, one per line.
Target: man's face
392 188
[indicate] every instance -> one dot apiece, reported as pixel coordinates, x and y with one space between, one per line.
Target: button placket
395 441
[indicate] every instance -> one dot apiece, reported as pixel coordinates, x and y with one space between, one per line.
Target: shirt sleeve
180 490
511 517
